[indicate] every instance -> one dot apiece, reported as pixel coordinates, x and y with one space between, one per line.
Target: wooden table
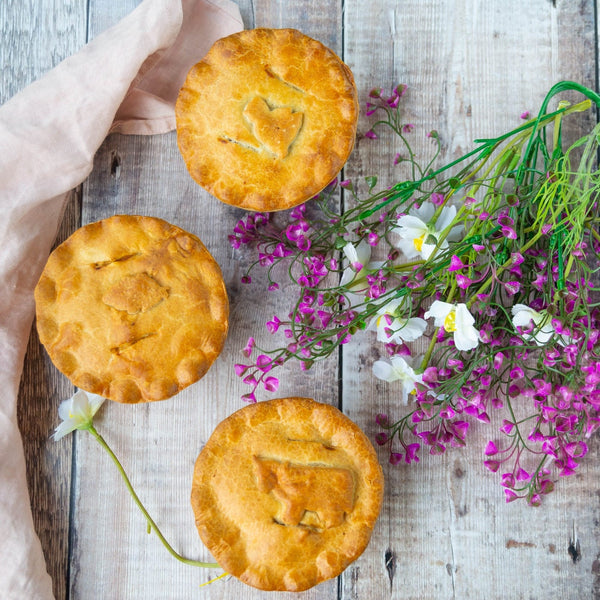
472 67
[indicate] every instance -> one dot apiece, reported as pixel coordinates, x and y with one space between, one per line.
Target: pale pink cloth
125 80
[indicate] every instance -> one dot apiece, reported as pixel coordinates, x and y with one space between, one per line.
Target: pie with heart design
132 308
286 493
267 119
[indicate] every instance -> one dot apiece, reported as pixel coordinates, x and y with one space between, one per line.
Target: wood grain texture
159 443
49 463
472 68
34 37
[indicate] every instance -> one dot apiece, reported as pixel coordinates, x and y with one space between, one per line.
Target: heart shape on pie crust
275 129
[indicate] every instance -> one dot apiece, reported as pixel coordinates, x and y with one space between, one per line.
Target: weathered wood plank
31 44
159 443
472 67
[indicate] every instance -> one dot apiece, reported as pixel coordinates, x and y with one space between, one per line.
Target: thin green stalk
151 523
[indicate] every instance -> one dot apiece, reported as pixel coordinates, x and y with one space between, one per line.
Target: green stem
151 523
487 146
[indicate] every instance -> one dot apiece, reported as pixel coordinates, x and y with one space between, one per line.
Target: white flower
77 413
398 370
393 327
543 331
456 319
356 281
419 237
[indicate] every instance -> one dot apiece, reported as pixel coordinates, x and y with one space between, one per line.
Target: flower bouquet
478 279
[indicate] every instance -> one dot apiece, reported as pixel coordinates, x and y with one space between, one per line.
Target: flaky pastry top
286 493
132 308
267 119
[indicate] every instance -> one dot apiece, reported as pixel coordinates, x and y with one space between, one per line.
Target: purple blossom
271 384
248 347
491 449
395 458
273 325
264 363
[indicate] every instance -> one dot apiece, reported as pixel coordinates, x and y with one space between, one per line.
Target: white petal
427 250
517 308
466 338
350 252
384 333
383 370
463 317
95 402
80 404
446 217
523 315
425 212
64 428
408 248
347 276
391 307
405 392
412 329
400 365
64 409
363 253
439 310
412 224
455 234
542 336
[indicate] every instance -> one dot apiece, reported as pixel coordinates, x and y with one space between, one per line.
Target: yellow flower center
450 321
418 242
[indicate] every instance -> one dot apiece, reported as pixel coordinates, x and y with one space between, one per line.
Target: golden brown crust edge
244 526
285 69
132 308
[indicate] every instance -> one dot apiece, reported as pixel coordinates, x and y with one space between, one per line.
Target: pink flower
462 281
273 326
381 438
411 453
492 465
491 449
437 198
264 363
240 369
271 384
395 458
249 347
382 420
456 264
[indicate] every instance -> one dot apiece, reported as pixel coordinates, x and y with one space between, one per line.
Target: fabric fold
125 80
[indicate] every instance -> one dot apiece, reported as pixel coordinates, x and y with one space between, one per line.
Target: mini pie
286 493
267 119
132 308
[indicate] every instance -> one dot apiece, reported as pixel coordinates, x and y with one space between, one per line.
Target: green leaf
371 181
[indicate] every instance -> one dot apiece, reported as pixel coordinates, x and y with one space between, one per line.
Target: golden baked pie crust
267 119
286 493
132 308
